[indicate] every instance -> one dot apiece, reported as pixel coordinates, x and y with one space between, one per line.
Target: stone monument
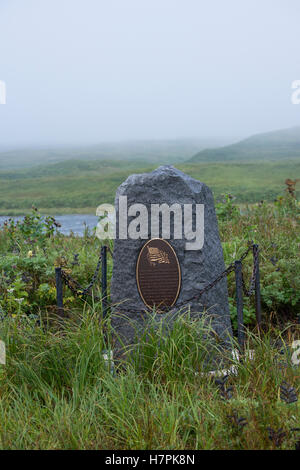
165 271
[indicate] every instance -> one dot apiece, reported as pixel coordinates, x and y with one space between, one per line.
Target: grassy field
275 146
80 186
57 392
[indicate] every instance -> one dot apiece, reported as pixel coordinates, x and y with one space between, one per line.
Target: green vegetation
78 180
277 146
81 186
31 248
57 391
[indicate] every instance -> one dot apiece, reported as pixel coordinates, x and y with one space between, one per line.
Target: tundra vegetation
79 179
79 186
58 392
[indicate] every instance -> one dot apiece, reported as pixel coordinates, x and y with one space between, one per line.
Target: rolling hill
272 146
78 180
156 151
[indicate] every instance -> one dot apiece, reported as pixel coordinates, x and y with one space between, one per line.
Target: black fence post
59 291
239 302
257 286
104 280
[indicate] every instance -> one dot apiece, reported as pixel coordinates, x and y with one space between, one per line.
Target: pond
71 222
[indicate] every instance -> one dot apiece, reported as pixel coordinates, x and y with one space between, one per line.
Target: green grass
56 392
30 251
275 146
78 186
248 182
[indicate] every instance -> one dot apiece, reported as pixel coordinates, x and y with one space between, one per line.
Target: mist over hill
66 180
160 151
277 145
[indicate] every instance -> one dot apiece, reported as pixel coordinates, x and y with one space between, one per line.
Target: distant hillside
80 186
151 151
277 145
71 168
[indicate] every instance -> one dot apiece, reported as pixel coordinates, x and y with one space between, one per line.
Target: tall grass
58 392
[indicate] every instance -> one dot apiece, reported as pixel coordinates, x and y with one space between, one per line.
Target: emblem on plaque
158 274
155 255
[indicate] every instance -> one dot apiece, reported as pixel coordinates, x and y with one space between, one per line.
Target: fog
88 71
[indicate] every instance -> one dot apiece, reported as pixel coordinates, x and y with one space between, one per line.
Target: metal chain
74 285
209 286
78 290
212 284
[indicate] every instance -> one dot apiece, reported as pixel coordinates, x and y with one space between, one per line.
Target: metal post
59 292
239 302
257 286
104 280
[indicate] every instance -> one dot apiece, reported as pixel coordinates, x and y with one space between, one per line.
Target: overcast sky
87 71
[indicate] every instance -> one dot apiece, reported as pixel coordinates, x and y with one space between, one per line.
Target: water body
75 223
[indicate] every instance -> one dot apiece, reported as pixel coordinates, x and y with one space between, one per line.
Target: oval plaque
158 274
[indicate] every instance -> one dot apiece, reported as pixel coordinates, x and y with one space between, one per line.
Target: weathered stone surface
168 185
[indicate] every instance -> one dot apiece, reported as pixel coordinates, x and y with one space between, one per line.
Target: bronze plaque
158 274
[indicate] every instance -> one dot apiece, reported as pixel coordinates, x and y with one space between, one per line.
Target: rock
168 185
